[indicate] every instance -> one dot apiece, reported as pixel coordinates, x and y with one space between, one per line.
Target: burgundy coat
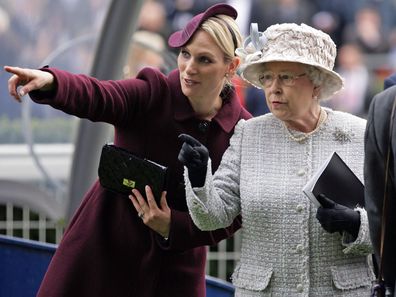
106 250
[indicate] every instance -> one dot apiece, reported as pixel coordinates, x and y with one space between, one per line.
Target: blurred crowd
31 31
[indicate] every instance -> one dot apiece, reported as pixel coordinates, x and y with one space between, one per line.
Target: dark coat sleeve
376 147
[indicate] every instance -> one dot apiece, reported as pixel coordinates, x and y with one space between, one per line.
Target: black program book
121 171
338 182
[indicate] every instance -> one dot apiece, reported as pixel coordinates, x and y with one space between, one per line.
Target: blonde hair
225 32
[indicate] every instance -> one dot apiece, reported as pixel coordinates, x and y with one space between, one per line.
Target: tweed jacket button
300 208
299 248
301 172
300 288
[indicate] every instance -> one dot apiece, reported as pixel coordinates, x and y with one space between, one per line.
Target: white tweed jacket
285 251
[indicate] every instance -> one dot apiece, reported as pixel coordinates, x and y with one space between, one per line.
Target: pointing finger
13 70
19 78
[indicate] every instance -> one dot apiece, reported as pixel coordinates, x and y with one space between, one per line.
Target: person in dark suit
111 247
377 144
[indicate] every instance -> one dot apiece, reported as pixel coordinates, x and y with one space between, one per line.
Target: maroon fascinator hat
180 38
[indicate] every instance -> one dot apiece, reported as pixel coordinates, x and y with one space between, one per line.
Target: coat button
299 208
203 126
300 288
299 248
301 172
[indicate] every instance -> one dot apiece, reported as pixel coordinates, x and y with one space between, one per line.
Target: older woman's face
288 90
202 67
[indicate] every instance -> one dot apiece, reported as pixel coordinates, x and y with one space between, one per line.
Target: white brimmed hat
290 43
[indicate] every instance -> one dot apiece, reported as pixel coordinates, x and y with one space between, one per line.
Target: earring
226 75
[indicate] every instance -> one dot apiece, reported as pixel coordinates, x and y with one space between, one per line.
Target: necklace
321 120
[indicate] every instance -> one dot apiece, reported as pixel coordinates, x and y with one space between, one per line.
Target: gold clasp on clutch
129 183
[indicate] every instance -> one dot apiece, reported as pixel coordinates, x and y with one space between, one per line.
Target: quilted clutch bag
120 171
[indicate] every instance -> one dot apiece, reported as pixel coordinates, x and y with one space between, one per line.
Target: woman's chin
188 91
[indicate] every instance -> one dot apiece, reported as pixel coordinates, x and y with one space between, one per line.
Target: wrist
197 176
48 87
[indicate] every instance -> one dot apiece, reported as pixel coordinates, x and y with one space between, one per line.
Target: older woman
289 246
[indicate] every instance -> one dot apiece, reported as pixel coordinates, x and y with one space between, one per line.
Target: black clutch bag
121 171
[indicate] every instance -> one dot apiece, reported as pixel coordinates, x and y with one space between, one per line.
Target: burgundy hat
180 38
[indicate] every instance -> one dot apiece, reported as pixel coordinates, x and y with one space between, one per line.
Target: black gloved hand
336 217
194 156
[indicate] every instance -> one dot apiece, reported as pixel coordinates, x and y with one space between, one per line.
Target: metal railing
24 223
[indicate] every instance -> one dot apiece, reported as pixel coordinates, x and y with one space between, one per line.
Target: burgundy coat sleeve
116 102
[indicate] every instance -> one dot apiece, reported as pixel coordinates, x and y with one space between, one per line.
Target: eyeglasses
286 78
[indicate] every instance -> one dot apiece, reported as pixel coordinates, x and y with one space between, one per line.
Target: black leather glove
335 217
194 156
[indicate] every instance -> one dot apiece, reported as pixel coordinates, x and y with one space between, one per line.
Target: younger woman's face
202 67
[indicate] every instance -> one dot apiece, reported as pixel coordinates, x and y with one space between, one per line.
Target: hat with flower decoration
290 42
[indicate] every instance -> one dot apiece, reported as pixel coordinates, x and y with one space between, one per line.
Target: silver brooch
343 136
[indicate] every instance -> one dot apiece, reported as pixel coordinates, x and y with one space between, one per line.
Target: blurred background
42 150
